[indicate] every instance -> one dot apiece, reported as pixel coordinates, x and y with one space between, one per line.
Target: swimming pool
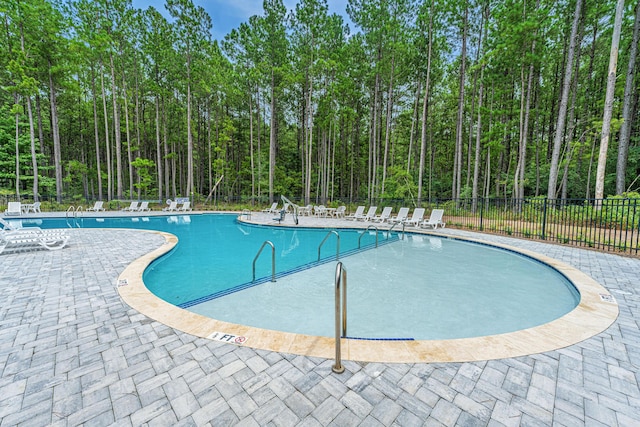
422 287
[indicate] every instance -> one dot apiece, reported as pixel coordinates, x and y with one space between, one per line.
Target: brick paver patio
72 353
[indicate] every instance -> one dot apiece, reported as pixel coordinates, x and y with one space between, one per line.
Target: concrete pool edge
596 311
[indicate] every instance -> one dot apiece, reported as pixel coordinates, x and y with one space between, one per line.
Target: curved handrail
74 211
337 246
391 228
367 229
273 260
341 276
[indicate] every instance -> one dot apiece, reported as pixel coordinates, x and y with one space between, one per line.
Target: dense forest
421 100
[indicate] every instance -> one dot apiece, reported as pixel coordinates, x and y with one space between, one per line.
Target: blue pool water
421 287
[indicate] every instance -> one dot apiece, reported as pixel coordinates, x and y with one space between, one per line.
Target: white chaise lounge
401 217
358 214
435 219
132 207
96 207
416 218
384 216
32 238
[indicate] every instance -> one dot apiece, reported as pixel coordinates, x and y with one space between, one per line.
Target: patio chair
371 213
13 208
132 207
35 207
144 206
173 206
384 216
320 210
416 218
435 219
186 206
357 214
340 211
401 217
305 210
96 207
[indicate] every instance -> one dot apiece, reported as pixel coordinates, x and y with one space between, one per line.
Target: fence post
481 209
544 219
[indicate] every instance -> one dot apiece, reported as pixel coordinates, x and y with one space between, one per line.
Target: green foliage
76 173
347 103
145 179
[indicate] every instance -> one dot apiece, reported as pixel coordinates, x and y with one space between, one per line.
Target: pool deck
72 352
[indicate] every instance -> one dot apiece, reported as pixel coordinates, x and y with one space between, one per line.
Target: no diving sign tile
228 338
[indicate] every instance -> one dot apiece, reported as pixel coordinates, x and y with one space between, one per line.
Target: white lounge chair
32 238
186 206
435 219
173 206
144 206
401 217
416 218
13 208
371 213
272 209
96 207
132 207
384 216
358 214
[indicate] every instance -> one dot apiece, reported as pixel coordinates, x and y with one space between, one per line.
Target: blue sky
228 14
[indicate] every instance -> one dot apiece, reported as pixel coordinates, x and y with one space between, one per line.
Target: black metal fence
602 224
611 224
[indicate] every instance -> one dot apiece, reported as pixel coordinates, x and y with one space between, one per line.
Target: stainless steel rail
273 260
341 314
389 230
337 246
367 229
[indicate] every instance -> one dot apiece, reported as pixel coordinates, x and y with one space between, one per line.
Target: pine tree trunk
562 111
106 135
272 139
627 108
116 129
55 131
96 132
457 166
608 103
425 108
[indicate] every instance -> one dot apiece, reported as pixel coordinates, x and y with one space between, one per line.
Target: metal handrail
367 229
337 246
75 211
273 260
341 312
391 228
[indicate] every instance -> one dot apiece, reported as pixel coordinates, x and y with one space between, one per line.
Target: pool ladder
273 260
340 314
337 244
73 213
